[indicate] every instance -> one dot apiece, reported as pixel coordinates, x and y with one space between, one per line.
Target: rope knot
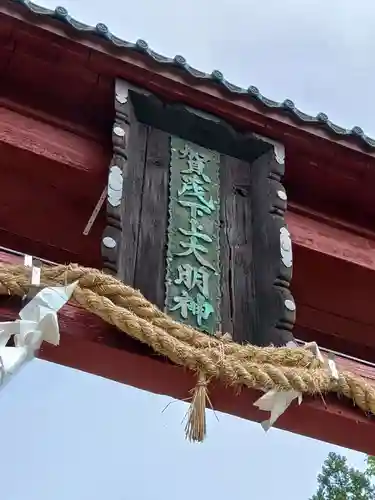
201 383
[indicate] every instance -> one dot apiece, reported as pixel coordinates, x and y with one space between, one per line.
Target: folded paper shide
276 402
37 322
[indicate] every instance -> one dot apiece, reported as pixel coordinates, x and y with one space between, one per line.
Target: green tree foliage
339 481
370 462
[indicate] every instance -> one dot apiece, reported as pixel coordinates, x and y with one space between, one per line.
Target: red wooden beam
333 300
52 179
35 144
61 174
90 345
63 147
333 278
333 421
326 236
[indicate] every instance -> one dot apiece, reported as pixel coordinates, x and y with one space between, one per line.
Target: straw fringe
195 429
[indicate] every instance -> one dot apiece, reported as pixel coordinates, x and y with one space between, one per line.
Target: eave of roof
287 107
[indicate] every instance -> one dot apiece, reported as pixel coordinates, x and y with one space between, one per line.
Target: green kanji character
199 308
192 187
196 162
192 276
193 246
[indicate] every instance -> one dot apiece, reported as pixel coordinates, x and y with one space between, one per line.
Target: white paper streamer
328 362
35 270
276 402
35 276
313 347
38 322
332 368
28 260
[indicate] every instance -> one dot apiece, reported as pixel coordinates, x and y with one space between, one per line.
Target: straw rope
236 365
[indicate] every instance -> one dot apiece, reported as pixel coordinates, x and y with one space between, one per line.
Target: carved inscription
193 273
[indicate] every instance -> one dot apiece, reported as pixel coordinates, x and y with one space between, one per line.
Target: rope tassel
195 429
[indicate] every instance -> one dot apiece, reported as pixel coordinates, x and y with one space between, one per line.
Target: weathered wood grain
151 252
133 178
236 254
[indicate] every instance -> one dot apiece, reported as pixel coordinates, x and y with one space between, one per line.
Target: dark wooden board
236 249
132 200
151 251
254 280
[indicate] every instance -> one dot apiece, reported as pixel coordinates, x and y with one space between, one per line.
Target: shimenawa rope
236 365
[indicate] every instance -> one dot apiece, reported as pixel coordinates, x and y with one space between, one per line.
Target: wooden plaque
242 284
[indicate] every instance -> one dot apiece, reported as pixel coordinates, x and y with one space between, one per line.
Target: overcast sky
71 436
